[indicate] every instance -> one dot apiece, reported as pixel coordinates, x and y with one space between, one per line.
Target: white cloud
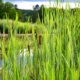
29 5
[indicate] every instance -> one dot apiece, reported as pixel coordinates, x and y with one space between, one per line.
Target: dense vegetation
52 49
35 16
8 9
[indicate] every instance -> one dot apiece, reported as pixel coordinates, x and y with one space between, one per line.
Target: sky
42 0
28 4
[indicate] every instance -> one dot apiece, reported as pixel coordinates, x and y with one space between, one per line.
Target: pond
22 57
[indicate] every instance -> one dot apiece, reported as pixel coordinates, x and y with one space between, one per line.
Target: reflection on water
23 58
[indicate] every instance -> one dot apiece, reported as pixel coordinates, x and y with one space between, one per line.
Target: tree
41 12
36 7
0 1
15 6
8 9
1 10
8 5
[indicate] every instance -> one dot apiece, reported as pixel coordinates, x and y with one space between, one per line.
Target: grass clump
55 46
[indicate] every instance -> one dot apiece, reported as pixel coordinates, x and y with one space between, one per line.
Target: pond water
22 57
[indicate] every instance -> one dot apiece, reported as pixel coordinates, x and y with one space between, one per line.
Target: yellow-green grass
58 55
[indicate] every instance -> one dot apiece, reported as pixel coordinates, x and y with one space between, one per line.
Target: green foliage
20 28
55 43
8 9
0 1
28 15
41 12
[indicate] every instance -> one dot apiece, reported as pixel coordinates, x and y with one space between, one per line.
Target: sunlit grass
55 44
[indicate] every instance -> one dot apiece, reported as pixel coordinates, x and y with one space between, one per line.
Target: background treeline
34 16
10 10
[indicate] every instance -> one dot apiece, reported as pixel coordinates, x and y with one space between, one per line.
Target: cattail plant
54 45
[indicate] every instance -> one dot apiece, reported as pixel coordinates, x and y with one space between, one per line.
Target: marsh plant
55 44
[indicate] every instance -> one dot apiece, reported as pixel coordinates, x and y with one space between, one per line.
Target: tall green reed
55 44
